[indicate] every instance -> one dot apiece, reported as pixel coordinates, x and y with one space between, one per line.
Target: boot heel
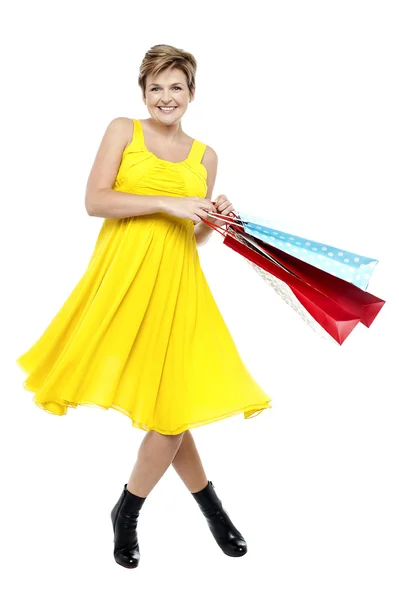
124 517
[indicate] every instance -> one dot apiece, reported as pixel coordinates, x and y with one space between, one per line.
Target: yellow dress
141 331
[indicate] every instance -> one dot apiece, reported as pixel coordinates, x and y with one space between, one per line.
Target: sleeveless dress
141 332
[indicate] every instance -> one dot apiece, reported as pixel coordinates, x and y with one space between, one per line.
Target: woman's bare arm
202 231
100 199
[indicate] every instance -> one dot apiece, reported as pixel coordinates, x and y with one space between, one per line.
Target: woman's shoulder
210 158
123 127
120 122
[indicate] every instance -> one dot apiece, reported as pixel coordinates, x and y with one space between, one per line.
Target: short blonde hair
161 57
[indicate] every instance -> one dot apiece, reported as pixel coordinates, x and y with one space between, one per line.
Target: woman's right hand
190 207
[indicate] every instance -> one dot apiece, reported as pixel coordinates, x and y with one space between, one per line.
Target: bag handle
226 218
255 245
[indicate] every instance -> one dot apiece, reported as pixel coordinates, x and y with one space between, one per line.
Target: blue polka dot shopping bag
344 264
325 285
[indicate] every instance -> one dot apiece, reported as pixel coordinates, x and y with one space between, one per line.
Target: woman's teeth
165 110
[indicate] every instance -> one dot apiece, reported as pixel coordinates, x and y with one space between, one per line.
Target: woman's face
168 89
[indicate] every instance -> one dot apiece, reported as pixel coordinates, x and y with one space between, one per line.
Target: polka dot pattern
346 265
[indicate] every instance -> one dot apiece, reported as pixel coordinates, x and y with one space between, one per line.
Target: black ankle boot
226 535
124 521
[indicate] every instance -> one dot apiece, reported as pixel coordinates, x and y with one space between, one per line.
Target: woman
141 332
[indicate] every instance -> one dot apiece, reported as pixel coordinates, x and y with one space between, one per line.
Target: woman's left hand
224 207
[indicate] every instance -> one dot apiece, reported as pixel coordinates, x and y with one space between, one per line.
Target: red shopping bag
333 318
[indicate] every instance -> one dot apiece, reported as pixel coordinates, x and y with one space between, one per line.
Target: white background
300 101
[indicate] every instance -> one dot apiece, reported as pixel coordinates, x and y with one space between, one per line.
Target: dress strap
138 135
197 152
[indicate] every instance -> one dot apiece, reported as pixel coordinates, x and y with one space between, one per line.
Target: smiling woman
141 332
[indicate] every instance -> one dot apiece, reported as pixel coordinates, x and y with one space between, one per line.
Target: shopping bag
344 264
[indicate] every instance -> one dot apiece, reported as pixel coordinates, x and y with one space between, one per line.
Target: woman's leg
154 456
187 463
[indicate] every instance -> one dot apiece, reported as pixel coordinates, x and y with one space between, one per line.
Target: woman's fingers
224 206
227 210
